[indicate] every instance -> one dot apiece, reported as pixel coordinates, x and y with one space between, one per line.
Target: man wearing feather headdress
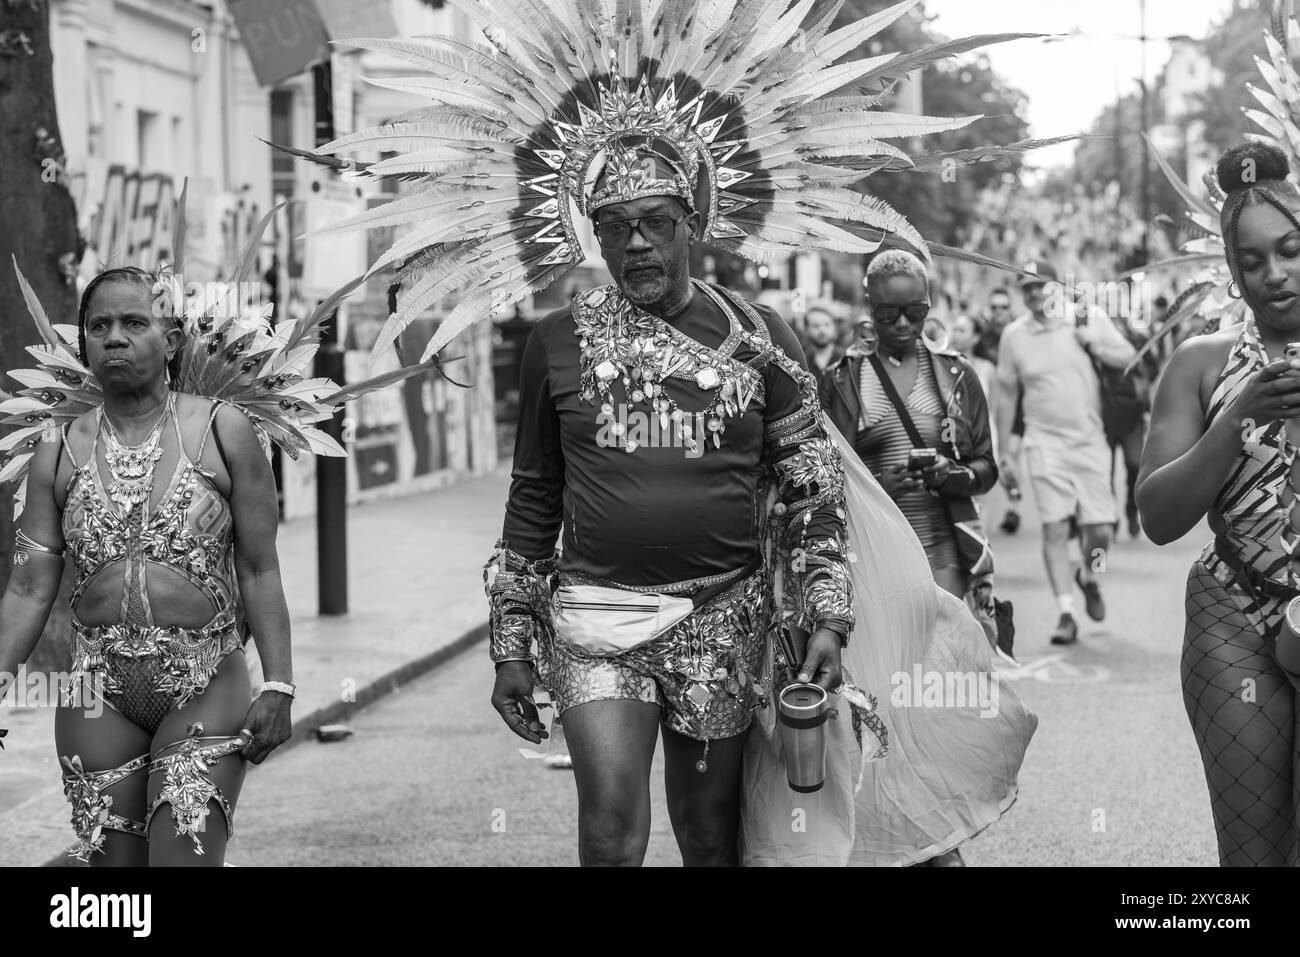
669 430
651 412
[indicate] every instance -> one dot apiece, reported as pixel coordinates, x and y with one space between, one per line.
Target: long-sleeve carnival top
667 513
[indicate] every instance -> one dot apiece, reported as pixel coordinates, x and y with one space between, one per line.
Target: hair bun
1248 163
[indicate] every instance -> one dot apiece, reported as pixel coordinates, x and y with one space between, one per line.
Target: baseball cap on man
1044 273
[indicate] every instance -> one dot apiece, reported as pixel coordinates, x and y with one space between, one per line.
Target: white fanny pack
611 621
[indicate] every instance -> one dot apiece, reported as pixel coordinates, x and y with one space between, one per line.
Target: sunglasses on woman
888 315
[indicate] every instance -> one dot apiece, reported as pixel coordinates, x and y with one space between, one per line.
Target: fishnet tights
1241 705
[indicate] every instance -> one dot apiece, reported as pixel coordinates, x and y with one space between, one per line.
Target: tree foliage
940 207
1232 46
42 233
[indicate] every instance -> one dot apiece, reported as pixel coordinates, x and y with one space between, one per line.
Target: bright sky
1070 81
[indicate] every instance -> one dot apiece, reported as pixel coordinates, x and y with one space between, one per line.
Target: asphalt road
431 776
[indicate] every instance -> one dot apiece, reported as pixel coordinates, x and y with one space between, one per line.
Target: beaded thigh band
187 787
92 810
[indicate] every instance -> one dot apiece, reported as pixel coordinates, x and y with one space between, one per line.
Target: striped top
1248 510
883 442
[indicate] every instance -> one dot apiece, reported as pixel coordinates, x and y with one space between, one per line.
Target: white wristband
282 686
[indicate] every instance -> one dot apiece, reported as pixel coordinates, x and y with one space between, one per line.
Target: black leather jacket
964 402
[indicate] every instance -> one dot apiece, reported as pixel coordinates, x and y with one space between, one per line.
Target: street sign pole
331 473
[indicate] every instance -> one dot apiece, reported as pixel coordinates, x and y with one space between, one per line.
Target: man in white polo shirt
1049 358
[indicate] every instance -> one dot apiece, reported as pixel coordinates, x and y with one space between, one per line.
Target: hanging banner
282 37
357 18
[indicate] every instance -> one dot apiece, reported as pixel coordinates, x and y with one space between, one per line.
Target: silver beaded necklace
132 466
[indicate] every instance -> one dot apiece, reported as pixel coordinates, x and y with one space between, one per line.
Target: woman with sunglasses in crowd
945 405
907 396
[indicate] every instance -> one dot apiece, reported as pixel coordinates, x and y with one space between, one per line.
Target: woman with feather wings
140 450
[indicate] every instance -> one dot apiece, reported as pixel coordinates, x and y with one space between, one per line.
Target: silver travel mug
803 711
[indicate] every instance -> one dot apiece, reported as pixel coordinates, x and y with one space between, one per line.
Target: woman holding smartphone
1222 444
931 451
918 418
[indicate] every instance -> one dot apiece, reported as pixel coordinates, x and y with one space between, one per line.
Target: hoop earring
1231 294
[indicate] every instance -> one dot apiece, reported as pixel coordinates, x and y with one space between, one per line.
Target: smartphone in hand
919 459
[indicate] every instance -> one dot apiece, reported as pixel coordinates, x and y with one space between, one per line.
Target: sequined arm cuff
826 591
519 595
811 486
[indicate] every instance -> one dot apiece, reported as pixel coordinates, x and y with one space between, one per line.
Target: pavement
1112 777
416 598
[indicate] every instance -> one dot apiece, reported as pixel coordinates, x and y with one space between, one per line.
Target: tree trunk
40 231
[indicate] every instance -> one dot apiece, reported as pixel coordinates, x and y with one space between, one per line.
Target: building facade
154 93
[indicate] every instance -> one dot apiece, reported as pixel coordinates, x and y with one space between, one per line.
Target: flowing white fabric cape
956 730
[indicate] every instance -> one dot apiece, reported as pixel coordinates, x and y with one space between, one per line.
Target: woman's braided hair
1250 174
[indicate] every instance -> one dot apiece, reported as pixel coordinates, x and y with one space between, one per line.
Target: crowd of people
1037 363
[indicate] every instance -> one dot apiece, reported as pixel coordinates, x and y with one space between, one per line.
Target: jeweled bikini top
190 531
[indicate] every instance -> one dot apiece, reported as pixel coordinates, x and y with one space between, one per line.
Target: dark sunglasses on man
658 230
888 315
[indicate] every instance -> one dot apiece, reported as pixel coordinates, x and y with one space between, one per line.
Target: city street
1112 777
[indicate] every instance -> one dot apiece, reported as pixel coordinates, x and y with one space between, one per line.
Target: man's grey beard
649 292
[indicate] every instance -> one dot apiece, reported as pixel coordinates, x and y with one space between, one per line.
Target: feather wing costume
230 355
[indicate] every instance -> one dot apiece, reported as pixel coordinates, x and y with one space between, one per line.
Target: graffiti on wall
133 226
129 222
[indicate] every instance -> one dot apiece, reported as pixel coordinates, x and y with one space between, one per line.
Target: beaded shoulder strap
208 432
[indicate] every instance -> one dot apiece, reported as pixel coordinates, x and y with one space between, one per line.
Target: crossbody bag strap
897 401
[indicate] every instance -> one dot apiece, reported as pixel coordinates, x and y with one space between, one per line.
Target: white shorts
1071 481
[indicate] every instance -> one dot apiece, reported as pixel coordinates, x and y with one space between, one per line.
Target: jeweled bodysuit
1240 701
147 668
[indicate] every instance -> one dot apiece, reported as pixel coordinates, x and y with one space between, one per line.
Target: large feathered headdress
520 135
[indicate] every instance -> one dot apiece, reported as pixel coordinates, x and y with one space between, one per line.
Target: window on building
97 81
148 146
284 173
180 158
